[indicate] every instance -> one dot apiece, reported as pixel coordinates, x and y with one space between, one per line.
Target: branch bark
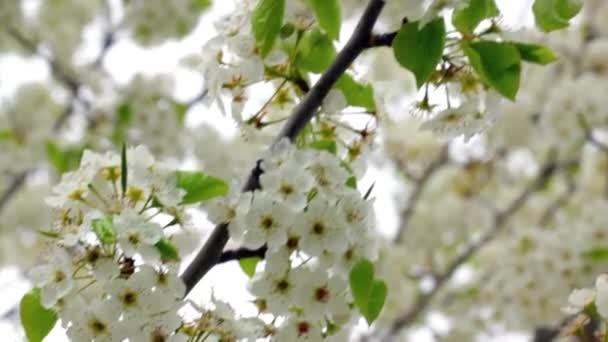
211 252
423 300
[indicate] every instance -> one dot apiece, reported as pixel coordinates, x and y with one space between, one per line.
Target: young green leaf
63 159
168 251
535 53
316 51
37 321
248 265
181 109
551 15
498 64
199 186
356 94
420 50
201 4
267 20
361 279
596 254
468 18
351 182
325 145
6 134
376 301
328 14
104 229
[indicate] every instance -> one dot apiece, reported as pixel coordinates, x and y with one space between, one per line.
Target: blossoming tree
117 200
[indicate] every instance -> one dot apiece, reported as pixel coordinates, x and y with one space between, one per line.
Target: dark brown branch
242 253
211 251
423 301
419 186
382 39
16 184
355 45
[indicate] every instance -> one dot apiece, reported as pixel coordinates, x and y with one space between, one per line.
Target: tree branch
500 219
211 252
12 189
407 212
242 253
382 39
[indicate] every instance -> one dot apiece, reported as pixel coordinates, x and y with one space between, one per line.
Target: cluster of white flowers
154 21
230 61
60 24
315 228
581 299
144 112
111 267
25 125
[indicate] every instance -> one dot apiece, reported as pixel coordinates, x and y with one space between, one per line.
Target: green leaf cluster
498 64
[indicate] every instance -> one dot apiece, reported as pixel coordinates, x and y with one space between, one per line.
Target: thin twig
419 186
16 184
500 219
211 252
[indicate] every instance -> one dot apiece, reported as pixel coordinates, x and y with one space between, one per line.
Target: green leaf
368 293
361 280
168 251
535 53
325 145
104 229
123 169
37 321
468 18
65 159
498 64
551 15
356 94
199 186
329 16
376 301
248 265
124 114
596 254
315 51
181 109
419 50
267 20
6 134
351 182
201 4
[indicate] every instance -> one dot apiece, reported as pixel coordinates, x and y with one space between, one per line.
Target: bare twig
500 219
211 252
16 184
419 186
